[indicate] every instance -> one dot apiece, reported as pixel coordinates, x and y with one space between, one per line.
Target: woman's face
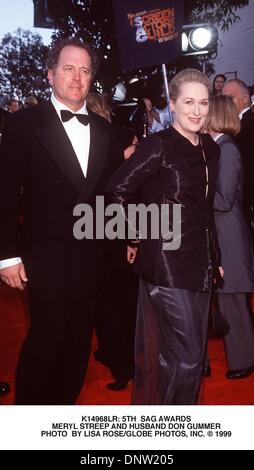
131 149
218 84
191 109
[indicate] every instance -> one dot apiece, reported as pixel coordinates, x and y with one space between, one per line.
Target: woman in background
117 306
234 240
218 83
98 103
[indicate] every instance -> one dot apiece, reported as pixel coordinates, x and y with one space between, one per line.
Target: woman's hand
221 271
131 254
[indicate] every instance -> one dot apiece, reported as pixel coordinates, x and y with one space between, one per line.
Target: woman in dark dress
174 169
117 306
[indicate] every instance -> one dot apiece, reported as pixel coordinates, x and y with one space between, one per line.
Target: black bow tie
67 115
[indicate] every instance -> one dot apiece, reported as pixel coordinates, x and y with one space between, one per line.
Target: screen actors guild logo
156 25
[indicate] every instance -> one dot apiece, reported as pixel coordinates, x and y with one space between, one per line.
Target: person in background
13 106
61 154
176 166
152 113
157 119
240 94
218 83
251 90
30 101
234 240
158 114
117 305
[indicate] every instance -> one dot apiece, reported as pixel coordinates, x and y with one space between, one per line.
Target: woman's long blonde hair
98 104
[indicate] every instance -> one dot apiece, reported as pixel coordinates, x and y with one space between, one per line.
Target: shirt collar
243 111
59 106
216 137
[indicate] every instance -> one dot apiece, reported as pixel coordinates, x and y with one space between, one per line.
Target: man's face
72 76
235 92
13 106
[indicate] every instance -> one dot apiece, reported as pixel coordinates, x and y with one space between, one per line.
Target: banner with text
148 31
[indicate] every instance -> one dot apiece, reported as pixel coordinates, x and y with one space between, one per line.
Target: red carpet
216 390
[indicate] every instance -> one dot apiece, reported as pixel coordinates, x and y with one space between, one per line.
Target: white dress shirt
243 111
217 136
79 136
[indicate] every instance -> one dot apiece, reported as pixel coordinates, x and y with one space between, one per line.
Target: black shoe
239 373
119 384
4 388
100 358
207 371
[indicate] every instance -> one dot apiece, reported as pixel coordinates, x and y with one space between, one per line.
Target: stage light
133 80
199 39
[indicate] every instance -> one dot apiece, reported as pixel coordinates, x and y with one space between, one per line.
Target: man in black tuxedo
240 94
60 160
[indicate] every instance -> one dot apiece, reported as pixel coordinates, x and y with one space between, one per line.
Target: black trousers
239 342
55 354
170 345
116 320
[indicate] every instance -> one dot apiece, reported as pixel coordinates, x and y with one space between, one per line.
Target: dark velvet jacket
36 153
168 169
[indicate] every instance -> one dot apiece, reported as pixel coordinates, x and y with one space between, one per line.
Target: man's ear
246 100
50 76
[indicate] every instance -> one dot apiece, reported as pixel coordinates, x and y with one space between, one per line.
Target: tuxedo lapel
52 135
